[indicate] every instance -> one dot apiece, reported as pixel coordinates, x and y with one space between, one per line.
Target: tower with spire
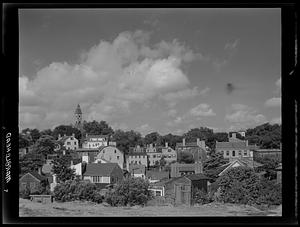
78 117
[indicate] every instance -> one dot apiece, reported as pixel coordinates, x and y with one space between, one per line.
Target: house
180 189
137 170
178 169
95 141
68 142
87 155
235 148
156 176
169 154
238 162
198 149
111 154
78 169
32 181
103 174
270 153
136 158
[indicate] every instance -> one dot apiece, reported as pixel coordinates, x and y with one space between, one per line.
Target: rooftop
78 110
100 169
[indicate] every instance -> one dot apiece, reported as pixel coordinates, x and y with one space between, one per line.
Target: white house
95 141
69 142
111 154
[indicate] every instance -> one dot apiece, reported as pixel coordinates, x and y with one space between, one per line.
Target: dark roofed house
31 181
178 169
103 174
155 176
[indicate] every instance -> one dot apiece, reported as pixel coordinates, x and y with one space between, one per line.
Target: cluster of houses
102 163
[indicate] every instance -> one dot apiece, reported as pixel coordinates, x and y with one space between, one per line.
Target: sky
150 70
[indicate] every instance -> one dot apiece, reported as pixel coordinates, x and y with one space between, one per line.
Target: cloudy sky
164 70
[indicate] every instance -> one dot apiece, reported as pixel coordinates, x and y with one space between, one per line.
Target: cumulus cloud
276 120
242 116
273 102
144 129
202 110
109 78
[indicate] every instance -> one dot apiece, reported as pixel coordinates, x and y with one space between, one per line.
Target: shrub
200 197
132 191
77 190
270 193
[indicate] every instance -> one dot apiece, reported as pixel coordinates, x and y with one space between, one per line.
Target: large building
235 148
68 142
95 141
111 154
198 149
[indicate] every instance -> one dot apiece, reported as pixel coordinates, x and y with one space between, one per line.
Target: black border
9 115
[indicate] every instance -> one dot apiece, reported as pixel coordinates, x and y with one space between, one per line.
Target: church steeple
78 117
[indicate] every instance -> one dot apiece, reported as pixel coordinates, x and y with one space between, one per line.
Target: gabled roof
198 176
100 169
243 162
35 175
157 175
231 145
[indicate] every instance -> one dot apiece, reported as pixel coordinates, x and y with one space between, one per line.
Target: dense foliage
66 130
30 162
126 139
61 167
72 190
212 164
132 191
265 135
243 186
269 166
44 145
185 157
201 197
97 128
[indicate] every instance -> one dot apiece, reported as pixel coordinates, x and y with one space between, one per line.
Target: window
240 153
245 153
227 153
118 157
75 143
169 156
158 193
158 156
233 153
115 151
154 156
140 162
68 143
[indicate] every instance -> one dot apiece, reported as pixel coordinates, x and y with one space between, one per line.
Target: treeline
265 136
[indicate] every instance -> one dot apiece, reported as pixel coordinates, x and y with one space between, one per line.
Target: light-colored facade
169 154
69 142
97 179
111 154
137 158
77 168
95 141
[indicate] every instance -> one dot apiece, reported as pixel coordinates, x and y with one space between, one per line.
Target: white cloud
110 77
273 102
144 129
172 112
202 110
276 120
243 116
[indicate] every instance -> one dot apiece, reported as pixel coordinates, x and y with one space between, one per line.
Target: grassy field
70 209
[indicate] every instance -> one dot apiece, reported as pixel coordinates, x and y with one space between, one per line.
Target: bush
77 190
200 197
132 191
241 185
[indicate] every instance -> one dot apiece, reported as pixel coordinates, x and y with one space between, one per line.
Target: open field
34 209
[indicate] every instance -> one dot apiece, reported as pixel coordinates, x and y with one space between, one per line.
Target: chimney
183 142
198 142
166 144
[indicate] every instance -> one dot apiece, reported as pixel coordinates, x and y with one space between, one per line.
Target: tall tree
23 141
44 145
97 128
30 162
34 134
126 139
153 137
66 130
61 167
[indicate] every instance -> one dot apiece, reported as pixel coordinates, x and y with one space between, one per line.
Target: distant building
139 158
137 170
103 174
270 153
236 163
178 170
95 141
68 142
112 154
78 118
32 181
235 148
87 155
154 176
198 149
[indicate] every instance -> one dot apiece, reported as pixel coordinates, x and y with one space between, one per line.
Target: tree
61 167
66 130
171 140
153 137
202 133
44 145
97 128
185 157
30 162
132 191
269 165
23 141
210 166
162 163
33 133
126 139
47 132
